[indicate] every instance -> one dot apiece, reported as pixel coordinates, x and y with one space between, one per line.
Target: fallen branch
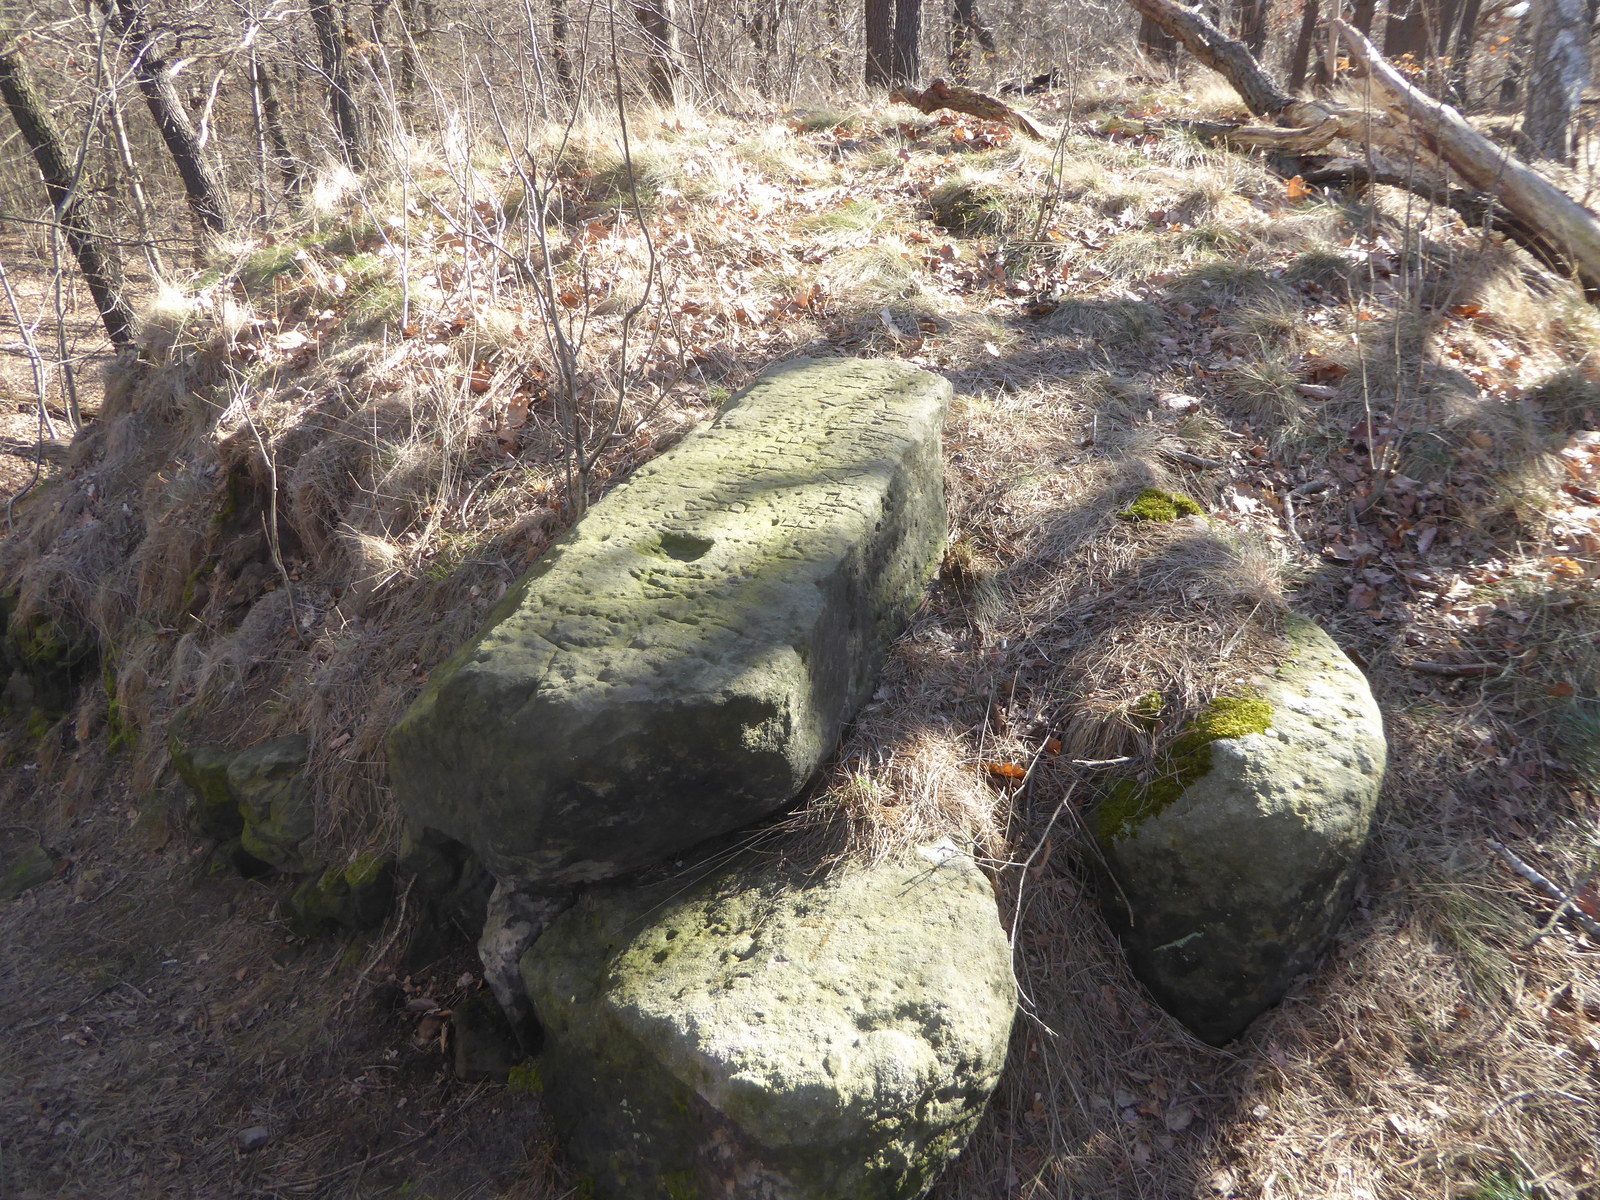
1476 208
1527 196
1462 669
941 94
1550 888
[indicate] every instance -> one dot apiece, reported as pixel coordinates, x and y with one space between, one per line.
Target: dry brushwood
941 94
1527 196
1428 135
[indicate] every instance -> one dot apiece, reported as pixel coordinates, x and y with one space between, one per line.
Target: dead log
941 94
1476 208
1558 230
1527 196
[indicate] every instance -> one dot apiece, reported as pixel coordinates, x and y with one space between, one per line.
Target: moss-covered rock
43 661
213 810
1186 760
28 867
775 1033
1238 859
274 797
683 661
1153 504
353 897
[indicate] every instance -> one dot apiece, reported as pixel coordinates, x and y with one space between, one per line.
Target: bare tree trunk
130 167
907 41
151 73
880 42
1223 54
658 19
1461 56
283 156
967 29
1558 71
558 46
336 69
32 116
1253 25
1157 44
1300 61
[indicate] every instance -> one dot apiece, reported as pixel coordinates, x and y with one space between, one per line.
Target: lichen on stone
1153 504
1188 759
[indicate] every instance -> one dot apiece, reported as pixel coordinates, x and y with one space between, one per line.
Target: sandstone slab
682 661
1236 862
771 1035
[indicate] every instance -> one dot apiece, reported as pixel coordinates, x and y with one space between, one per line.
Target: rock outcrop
1235 861
766 1034
683 660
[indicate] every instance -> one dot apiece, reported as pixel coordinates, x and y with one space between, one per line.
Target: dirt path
157 1023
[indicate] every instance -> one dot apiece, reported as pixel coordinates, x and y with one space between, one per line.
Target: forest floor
1393 425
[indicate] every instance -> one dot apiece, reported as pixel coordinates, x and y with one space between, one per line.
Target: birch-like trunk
1558 71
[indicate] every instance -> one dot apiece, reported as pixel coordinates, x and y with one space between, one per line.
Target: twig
1194 460
1550 888
1105 762
1305 489
1463 669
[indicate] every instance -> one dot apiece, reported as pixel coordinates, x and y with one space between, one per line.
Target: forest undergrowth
345 437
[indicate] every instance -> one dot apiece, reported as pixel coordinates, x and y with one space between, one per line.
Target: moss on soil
1187 760
1153 504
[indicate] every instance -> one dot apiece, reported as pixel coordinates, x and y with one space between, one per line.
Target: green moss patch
1153 504
1188 759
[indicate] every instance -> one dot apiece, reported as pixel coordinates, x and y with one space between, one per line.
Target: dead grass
1416 400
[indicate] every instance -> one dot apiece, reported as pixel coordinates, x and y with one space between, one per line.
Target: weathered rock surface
767 1035
33 863
683 660
261 795
1238 860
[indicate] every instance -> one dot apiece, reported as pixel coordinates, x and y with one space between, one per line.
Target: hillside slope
345 441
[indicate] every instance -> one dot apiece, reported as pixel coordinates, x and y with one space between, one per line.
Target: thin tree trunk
1253 25
966 30
32 116
558 46
1558 71
1300 63
659 21
1157 44
130 170
283 156
336 68
151 73
1461 56
907 41
880 42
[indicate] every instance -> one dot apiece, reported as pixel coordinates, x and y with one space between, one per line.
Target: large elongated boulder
1235 862
768 1035
681 662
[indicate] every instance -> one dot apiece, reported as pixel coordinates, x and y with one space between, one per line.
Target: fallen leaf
1297 188
1006 770
1362 597
1179 1117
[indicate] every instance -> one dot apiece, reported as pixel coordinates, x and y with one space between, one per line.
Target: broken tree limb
1227 56
1476 208
1313 123
942 94
1525 194
1567 902
1240 137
